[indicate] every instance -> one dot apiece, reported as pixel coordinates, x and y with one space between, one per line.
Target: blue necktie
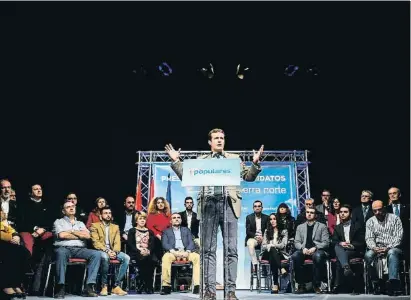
396 210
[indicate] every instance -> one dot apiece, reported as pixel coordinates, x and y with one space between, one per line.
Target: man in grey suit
178 243
311 242
214 212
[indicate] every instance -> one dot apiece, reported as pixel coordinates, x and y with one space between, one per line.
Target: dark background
74 114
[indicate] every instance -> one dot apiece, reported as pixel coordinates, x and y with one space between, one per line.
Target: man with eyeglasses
311 242
255 226
403 212
301 218
80 213
383 236
362 213
348 241
178 243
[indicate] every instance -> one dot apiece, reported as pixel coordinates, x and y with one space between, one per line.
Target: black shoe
394 288
166 290
301 289
348 271
196 289
89 291
376 287
60 291
317 290
335 289
149 290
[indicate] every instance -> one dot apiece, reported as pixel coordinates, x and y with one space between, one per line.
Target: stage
243 295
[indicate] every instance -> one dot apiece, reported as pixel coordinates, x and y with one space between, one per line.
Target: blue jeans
393 261
64 253
105 263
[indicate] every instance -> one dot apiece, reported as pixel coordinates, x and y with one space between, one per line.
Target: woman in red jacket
158 220
94 216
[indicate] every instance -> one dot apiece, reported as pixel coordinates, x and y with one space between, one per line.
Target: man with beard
106 237
189 219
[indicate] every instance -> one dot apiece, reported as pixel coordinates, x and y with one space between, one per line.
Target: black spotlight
291 70
242 71
208 71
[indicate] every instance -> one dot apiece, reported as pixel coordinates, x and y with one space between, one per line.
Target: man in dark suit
362 213
177 242
401 210
348 241
189 219
255 224
127 219
9 206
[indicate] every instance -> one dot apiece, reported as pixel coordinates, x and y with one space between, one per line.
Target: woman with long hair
158 220
285 220
274 241
141 244
94 215
333 217
14 260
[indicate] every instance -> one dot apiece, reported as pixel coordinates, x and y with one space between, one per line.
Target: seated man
383 235
311 242
106 237
255 224
178 243
349 242
189 219
70 242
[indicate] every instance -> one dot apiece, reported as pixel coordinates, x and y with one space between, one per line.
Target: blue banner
274 185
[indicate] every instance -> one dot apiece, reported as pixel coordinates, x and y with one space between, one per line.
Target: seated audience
140 243
401 210
94 215
362 213
80 213
158 220
70 242
383 236
178 243
311 242
189 219
333 217
35 228
285 220
349 242
325 206
127 219
105 237
255 225
8 206
274 242
13 260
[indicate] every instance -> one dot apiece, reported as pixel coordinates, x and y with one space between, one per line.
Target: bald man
383 235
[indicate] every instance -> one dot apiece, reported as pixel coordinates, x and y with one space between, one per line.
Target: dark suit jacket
358 217
168 239
357 236
121 220
251 227
14 215
195 223
405 220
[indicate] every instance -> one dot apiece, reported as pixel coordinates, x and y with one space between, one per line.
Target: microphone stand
225 242
202 240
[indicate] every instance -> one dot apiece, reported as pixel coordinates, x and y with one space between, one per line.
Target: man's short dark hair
104 208
349 207
188 198
258 201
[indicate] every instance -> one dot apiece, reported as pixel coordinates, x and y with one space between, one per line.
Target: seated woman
333 217
140 241
158 220
94 216
274 241
285 220
14 260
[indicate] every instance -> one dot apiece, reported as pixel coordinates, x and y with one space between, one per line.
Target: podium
205 173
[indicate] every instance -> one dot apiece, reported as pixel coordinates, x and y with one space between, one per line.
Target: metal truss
146 159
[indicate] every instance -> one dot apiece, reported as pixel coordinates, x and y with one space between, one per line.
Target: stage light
291 70
165 69
208 72
313 70
241 71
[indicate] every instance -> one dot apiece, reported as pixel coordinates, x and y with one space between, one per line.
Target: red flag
139 200
151 194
